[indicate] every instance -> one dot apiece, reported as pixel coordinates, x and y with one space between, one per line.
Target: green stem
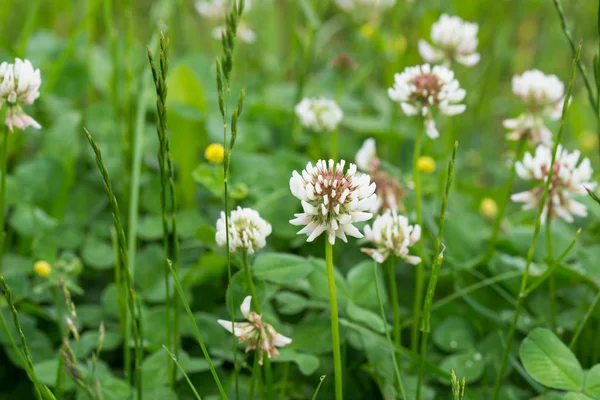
284 380
536 232
587 316
552 279
335 325
333 145
394 300
60 372
507 192
255 374
420 268
4 172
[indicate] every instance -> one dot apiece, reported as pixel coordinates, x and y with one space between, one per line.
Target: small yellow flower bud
367 31
42 268
489 208
426 164
214 153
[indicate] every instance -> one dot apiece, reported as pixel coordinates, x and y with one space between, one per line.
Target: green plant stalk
30 21
335 326
584 321
387 334
123 316
505 200
255 374
60 378
114 80
301 81
420 268
552 279
314 397
122 244
394 300
186 305
191 385
284 380
435 271
4 172
60 372
536 232
333 145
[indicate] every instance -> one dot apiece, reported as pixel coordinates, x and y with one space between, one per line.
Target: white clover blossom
392 235
244 32
362 6
216 10
247 231
568 180
332 199
543 95
260 336
319 114
19 85
366 155
454 40
420 89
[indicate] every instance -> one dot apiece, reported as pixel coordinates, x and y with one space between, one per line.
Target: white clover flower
569 179
319 114
332 200
247 231
392 235
19 85
420 89
454 40
260 336
362 6
366 155
543 95
216 10
246 34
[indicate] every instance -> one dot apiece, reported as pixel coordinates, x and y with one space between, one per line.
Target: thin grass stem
190 384
420 268
316 393
335 327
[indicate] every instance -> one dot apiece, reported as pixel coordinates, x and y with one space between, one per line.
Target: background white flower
392 235
19 85
319 114
366 155
247 230
569 179
217 9
259 335
365 5
332 199
454 40
420 89
243 32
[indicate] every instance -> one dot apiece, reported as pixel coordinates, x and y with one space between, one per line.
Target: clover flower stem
333 148
551 279
391 267
538 221
507 192
60 372
3 171
591 309
419 274
335 324
284 380
255 375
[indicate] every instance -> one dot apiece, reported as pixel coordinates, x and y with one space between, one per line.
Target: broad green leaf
365 317
592 381
469 365
290 303
307 363
454 334
577 396
319 286
98 254
281 268
362 285
550 362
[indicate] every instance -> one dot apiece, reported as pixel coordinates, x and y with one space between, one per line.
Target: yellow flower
367 31
214 153
589 140
42 268
398 44
426 164
488 208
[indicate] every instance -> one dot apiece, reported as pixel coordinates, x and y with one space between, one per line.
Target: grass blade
318 387
183 372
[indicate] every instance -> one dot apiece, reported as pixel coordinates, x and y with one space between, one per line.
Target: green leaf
362 285
592 381
290 303
454 334
307 363
281 268
469 365
98 254
576 396
366 317
550 362
317 281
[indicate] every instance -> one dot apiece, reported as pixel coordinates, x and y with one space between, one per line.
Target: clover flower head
569 179
244 32
19 85
247 231
216 10
366 157
391 234
332 199
421 88
319 114
260 336
454 40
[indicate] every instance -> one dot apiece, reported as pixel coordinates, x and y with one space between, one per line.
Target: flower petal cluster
421 88
391 234
454 40
247 231
216 11
570 178
333 199
319 114
260 336
19 85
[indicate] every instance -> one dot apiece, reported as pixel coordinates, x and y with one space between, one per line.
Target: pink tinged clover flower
260 336
569 179
454 40
247 231
420 89
392 235
332 200
19 85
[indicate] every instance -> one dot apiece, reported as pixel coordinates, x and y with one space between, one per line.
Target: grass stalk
394 300
187 379
435 271
387 334
536 232
551 279
4 172
125 272
335 325
584 321
316 393
420 268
